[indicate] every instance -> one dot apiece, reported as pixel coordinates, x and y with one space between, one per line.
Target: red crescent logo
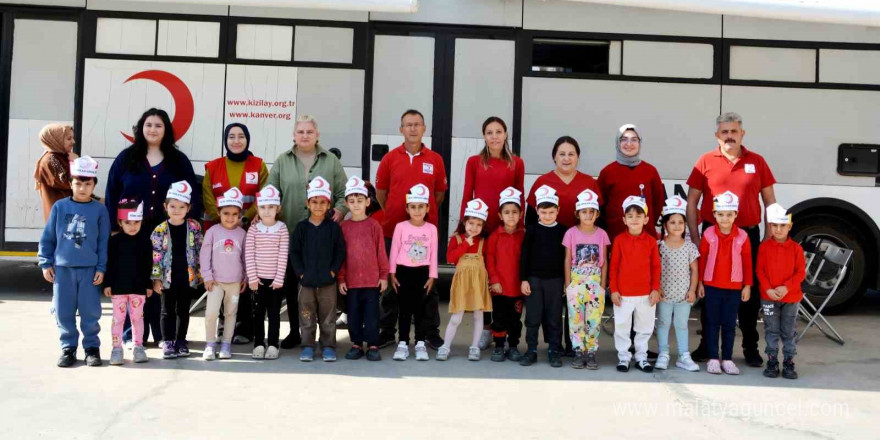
271 192
729 198
479 206
677 202
355 181
319 183
236 193
180 94
589 197
542 191
184 187
421 190
507 192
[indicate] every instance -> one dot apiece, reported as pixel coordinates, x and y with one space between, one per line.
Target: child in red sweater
726 272
780 272
364 274
502 263
470 286
635 285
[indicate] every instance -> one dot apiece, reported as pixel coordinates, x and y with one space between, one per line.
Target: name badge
254 178
428 168
750 168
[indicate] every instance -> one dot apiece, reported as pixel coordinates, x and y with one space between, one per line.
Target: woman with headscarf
241 169
52 172
628 176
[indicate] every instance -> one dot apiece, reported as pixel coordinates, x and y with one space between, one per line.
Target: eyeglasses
633 140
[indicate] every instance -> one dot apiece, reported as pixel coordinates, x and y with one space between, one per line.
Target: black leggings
176 302
267 301
413 299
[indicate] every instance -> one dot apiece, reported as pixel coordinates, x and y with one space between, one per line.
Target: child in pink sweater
413 266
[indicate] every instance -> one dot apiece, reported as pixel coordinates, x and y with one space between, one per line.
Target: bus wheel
821 231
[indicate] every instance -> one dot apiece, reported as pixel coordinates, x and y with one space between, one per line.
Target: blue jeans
363 316
73 291
674 314
721 308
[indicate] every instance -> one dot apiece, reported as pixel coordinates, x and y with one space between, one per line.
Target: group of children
543 268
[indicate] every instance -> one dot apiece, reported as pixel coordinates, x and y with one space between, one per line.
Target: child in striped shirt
265 253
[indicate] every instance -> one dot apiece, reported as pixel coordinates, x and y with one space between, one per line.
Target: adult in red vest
628 176
491 171
241 169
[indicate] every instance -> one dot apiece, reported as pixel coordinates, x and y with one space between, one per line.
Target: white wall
506 13
759 28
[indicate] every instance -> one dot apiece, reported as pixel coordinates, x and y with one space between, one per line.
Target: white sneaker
442 353
686 363
259 352
402 352
209 354
129 345
474 353
272 352
422 352
662 361
485 339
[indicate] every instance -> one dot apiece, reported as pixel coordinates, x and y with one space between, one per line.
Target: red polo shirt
746 176
398 172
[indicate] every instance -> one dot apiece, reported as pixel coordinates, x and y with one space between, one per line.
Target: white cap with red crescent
419 194
777 214
635 201
180 191
84 167
675 205
546 194
587 199
510 195
319 187
727 201
477 208
355 185
232 197
269 195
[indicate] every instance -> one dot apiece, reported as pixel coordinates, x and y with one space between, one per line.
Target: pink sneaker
729 368
714 366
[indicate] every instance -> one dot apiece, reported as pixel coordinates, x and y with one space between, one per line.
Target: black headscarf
239 157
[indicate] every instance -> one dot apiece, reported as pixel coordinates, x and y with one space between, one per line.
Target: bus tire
841 232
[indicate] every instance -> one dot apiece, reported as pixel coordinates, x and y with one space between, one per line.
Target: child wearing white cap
678 284
780 270
470 284
412 264
586 275
726 269
265 256
176 244
502 263
73 257
222 264
317 251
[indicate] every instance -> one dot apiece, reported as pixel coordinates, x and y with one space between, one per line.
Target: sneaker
68 357
373 354
555 359
307 355
241 340
772 369
529 358
116 356
342 321
435 342
662 361
788 370
224 351
686 363
93 357
259 352
714 366
753 358
209 354
328 354
168 351
272 352
580 361
700 354
291 341
728 367
422 351
644 365
474 353
402 352
442 354
140 355
592 363
129 345
354 354
386 340
160 344
514 355
485 339
623 366
498 354
182 348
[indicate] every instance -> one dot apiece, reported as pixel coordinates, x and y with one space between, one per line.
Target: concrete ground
836 396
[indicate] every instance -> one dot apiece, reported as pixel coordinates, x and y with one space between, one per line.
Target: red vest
249 184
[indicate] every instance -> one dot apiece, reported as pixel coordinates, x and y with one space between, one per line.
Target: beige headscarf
52 137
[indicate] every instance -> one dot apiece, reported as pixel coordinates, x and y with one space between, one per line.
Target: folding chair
839 257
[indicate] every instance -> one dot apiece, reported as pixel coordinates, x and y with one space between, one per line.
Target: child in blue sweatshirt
73 256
